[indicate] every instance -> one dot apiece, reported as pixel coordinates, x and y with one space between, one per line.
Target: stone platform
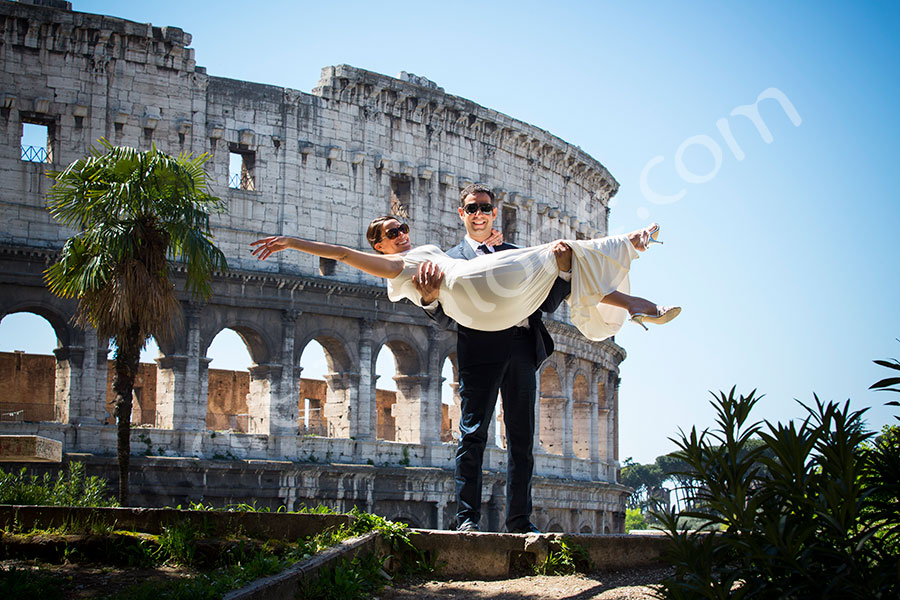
29 448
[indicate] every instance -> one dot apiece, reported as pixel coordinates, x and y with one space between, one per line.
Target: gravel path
632 584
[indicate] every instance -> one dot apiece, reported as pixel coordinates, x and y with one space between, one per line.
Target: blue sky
785 261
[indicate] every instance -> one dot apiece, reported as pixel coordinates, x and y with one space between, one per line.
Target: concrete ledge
285 585
282 526
29 448
499 555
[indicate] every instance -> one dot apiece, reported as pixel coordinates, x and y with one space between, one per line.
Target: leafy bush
70 489
634 519
810 513
564 558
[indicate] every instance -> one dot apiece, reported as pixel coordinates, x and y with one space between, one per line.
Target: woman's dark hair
373 233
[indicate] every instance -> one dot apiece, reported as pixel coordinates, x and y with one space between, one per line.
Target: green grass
72 488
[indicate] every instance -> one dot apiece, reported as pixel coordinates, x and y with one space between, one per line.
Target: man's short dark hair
474 188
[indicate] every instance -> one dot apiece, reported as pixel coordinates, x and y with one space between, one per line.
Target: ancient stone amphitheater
319 165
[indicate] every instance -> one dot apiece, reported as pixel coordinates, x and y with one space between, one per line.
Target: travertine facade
317 165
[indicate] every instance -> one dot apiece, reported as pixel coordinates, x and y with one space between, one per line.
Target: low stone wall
417 496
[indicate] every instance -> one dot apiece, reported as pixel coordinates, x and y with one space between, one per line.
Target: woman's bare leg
633 304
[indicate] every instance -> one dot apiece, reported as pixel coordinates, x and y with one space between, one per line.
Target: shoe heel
639 319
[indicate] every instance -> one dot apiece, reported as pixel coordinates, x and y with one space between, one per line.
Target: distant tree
646 480
133 211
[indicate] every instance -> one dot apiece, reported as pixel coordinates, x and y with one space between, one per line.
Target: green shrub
72 488
812 512
634 519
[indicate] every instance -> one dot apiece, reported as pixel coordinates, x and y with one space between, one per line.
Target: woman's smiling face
398 244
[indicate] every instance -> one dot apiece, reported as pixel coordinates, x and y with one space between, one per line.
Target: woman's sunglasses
393 232
473 207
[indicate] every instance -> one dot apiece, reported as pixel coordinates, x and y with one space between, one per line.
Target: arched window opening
553 406
385 395
143 395
449 402
311 418
228 383
28 368
581 418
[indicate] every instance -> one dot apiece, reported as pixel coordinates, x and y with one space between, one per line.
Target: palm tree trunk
127 359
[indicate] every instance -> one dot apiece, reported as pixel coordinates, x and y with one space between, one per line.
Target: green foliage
564 558
634 519
809 513
357 579
72 488
24 583
646 480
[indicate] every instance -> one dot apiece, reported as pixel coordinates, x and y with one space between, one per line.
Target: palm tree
134 210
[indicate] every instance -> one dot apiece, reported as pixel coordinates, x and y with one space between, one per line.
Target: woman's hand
495 239
428 282
268 246
563 254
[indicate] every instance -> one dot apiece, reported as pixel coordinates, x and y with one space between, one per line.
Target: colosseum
318 165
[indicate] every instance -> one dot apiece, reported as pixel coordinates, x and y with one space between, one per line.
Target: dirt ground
633 584
81 582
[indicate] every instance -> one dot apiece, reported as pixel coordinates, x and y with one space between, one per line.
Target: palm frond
133 209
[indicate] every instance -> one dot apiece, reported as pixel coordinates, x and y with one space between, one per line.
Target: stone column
364 426
69 379
272 402
410 410
339 402
431 397
453 411
180 393
597 470
569 408
538 447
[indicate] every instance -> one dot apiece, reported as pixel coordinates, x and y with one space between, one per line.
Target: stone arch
31 387
66 333
407 519
255 338
334 400
585 529
450 413
336 346
235 399
555 527
78 370
553 406
399 417
581 416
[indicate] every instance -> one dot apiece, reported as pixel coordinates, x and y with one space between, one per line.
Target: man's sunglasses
395 231
473 207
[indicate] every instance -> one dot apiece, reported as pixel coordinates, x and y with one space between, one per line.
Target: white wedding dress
497 291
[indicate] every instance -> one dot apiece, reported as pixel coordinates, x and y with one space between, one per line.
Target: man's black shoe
467 525
527 528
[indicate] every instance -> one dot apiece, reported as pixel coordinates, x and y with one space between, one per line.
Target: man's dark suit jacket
474 346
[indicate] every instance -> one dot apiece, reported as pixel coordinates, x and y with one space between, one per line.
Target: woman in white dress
496 291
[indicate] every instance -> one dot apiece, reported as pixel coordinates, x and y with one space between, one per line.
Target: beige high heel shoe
648 237
663 315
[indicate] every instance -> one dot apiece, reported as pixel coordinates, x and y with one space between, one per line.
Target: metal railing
241 181
35 154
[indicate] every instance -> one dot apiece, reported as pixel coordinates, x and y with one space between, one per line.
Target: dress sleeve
402 286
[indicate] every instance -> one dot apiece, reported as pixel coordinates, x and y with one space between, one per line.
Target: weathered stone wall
319 165
27 387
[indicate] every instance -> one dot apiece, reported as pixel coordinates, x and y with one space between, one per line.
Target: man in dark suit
492 361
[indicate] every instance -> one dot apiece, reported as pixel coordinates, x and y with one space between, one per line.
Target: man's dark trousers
506 361
508 364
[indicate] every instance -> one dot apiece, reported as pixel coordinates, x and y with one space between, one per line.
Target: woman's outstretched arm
380 265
